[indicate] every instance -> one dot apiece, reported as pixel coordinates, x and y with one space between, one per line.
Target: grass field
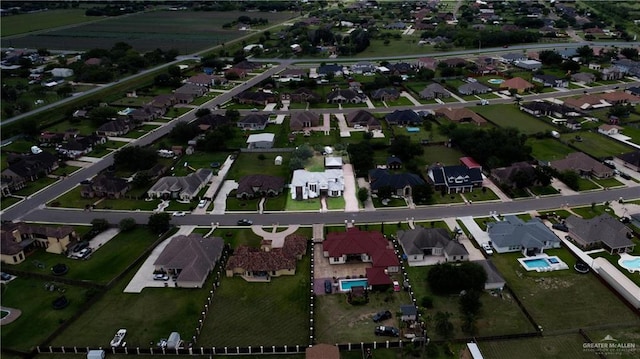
595 144
23 23
249 164
186 31
33 187
274 313
577 298
511 116
548 149
567 346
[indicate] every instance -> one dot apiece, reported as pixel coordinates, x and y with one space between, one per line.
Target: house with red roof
355 245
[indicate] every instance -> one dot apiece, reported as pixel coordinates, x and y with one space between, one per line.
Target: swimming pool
542 263
413 129
347 284
495 81
630 263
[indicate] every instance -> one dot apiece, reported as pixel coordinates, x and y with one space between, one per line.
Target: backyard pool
495 81
630 263
347 284
542 263
413 129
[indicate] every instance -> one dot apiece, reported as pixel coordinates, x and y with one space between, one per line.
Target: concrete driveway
350 198
144 276
368 204
103 238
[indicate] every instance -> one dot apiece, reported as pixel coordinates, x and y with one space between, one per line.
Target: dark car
560 226
387 331
328 287
245 222
380 316
80 246
5 276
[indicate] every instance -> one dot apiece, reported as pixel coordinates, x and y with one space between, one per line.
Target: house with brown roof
583 77
609 130
428 63
517 83
434 90
104 186
260 98
234 71
601 231
461 115
27 168
583 165
364 119
631 160
364 246
259 185
201 80
302 120
301 95
261 264
17 238
253 121
190 259
506 175
292 74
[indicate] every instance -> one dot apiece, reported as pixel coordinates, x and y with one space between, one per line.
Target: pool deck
626 257
551 266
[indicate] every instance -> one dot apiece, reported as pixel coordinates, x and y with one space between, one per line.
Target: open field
548 149
186 31
250 163
23 23
562 346
595 144
511 116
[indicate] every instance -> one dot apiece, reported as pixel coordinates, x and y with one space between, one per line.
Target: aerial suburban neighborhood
320 179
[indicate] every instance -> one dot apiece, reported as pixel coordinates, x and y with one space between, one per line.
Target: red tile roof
355 241
377 276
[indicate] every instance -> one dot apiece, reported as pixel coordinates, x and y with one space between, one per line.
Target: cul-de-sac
326 179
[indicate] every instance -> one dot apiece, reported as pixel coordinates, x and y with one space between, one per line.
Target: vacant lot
511 116
595 144
23 23
186 31
566 346
548 149
563 300
257 163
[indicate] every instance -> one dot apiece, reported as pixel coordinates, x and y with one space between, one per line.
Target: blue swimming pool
347 284
542 263
413 129
631 264
536 263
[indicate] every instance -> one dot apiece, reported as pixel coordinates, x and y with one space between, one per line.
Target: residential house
79 146
334 69
363 67
461 115
201 80
398 25
583 77
514 235
104 186
518 84
292 74
506 176
211 121
473 88
302 120
17 238
363 246
494 281
247 65
190 259
345 96
164 101
184 188
260 140
602 231
609 130
455 62
235 72
363 119
333 163
455 179
385 94
631 160
612 73
408 313
628 66
400 68
261 264
253 122
259 98
50 137
400 183
301 95
531 65
27 168
434 91
308 185
635 91
259 185
146 113
424 246
583 165
428 63
403 117
394 163
550 81
192 90
513 57
115 128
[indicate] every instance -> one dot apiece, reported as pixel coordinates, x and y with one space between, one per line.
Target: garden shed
278 161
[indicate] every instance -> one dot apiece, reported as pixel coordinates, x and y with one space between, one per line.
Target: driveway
481 237
144 276
220 203
474 253
368 204
350 198
342 125
103 238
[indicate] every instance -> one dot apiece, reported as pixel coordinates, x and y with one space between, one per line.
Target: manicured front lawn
302 205
6 202
33 187
276 203
586 184
236 237
439 198
564 299
72 199
543 191
447 156
245 205
481 194
334 203
390 203
38 319
64 171
509 115
248 313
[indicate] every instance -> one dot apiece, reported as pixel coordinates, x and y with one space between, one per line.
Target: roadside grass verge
248 313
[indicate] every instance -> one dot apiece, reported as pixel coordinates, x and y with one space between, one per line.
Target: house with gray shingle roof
422 243
191 258
401 183
494 278
473 88
434 91
601 231
514 235
184 188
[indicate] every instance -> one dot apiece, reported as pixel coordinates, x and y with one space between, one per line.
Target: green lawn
483 194
509 115
38 320
198 160
275 313
66 170
33 187
250 163
562 346
201 100
586 184
448 156
105 262
543 191
391 203
438 198
577 299
303 205
6 202
244 205
595 144
548 149
138 101
622 335
84 126
608 182
237 237
335 203
72 199
19 24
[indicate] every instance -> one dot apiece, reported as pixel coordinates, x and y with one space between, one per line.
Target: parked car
80 246
396 286
179 214
202 203
486 247
84 253
625 176
245 222
387 331
328 286
5 276
380 316
560 226
161 276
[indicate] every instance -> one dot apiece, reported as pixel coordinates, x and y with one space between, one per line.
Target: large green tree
159 222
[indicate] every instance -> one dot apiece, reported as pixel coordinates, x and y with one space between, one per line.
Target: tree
543 175
630 53
141 179
135 158
550 57
445 278
422 194
232 115
361 155
470 303
101 115
570 66
183 131
403 148
363 195
29 127
64 90
385 192
585 53
127 224
571 179
99 225
159 222
443 326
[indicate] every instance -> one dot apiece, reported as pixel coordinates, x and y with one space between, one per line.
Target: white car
487 248
202 203
179 214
